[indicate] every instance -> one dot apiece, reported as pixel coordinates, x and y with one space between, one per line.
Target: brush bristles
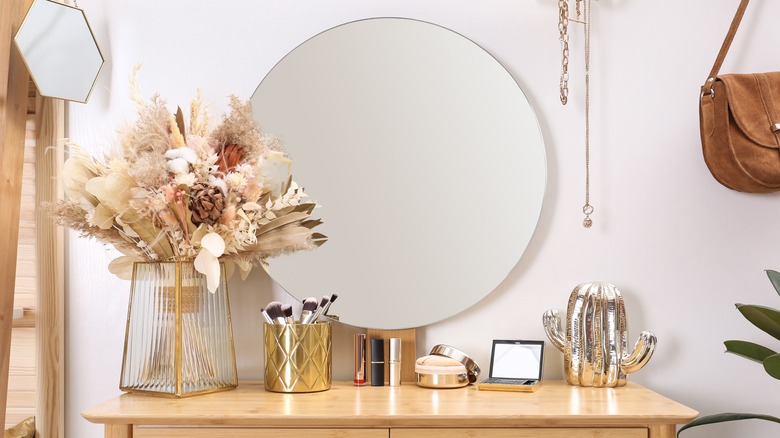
324 301
333 297
310 304
287 310
274 310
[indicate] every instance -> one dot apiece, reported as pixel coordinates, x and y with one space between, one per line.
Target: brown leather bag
739 117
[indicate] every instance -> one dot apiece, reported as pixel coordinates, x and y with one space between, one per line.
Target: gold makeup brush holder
298 357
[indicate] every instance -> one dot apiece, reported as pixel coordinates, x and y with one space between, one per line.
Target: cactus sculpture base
595 343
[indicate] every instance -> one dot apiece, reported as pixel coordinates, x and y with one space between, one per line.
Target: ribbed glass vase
179 339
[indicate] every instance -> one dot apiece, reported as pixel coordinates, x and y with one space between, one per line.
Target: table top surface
408 405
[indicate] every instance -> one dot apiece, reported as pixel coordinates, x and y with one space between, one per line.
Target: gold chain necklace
563 31
563 25
587 209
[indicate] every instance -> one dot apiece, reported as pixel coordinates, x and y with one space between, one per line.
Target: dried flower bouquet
187 192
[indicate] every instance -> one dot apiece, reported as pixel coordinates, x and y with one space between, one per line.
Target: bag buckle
707 90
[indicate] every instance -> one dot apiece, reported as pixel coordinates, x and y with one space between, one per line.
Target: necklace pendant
587 222
588 210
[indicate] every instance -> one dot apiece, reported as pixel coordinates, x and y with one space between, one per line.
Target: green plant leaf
772 366
774 277
749 350
765 318
721 418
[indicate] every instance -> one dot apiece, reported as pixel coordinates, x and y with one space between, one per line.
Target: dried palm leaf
283 240
281 221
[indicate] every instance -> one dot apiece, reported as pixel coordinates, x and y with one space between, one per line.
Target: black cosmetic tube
377 362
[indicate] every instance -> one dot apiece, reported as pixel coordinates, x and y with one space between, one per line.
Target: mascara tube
377 362
360 360
394 361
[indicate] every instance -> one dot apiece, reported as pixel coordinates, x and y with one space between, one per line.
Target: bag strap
706 89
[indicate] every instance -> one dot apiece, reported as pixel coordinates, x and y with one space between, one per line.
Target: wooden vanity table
557 410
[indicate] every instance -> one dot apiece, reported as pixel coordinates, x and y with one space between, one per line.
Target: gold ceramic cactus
594 346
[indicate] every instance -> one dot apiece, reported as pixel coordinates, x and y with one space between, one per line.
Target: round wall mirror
427 160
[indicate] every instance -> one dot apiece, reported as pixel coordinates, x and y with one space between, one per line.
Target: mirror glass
60 51
427 160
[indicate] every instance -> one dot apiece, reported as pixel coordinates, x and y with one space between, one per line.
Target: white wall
681 248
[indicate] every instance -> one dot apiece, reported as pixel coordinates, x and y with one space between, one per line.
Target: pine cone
229 157
206 204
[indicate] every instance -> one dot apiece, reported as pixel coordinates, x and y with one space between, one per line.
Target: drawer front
239 432
520 433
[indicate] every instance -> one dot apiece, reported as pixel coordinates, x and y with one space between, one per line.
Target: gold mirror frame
59 49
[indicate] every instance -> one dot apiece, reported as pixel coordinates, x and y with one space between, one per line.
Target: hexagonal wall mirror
59 50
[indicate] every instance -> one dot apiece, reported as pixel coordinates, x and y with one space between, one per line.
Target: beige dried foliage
149 170
177 139
139 226
199 116
71 215
280 248
135 89
272 143
150 133
239 128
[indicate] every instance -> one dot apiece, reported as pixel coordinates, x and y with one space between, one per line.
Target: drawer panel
240 432
520 433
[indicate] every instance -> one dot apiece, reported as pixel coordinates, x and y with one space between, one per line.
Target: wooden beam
50 409
14 81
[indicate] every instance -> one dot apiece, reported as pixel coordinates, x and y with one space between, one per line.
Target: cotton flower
179 159
186 153
178 166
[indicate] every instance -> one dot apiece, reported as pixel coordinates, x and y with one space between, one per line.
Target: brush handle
319 312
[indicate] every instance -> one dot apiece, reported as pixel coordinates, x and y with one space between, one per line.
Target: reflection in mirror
59 50
426 158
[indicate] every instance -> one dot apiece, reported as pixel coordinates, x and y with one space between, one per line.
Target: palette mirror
428 162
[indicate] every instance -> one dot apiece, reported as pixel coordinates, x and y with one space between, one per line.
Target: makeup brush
274 309
309 306
324 302
327 306
265 315
288 313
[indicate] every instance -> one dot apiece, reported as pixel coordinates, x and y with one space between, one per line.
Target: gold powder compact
446 367
440 372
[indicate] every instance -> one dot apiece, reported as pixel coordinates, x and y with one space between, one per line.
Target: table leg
119 431
661 431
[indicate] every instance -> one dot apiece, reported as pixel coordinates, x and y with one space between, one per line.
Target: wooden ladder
14 85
